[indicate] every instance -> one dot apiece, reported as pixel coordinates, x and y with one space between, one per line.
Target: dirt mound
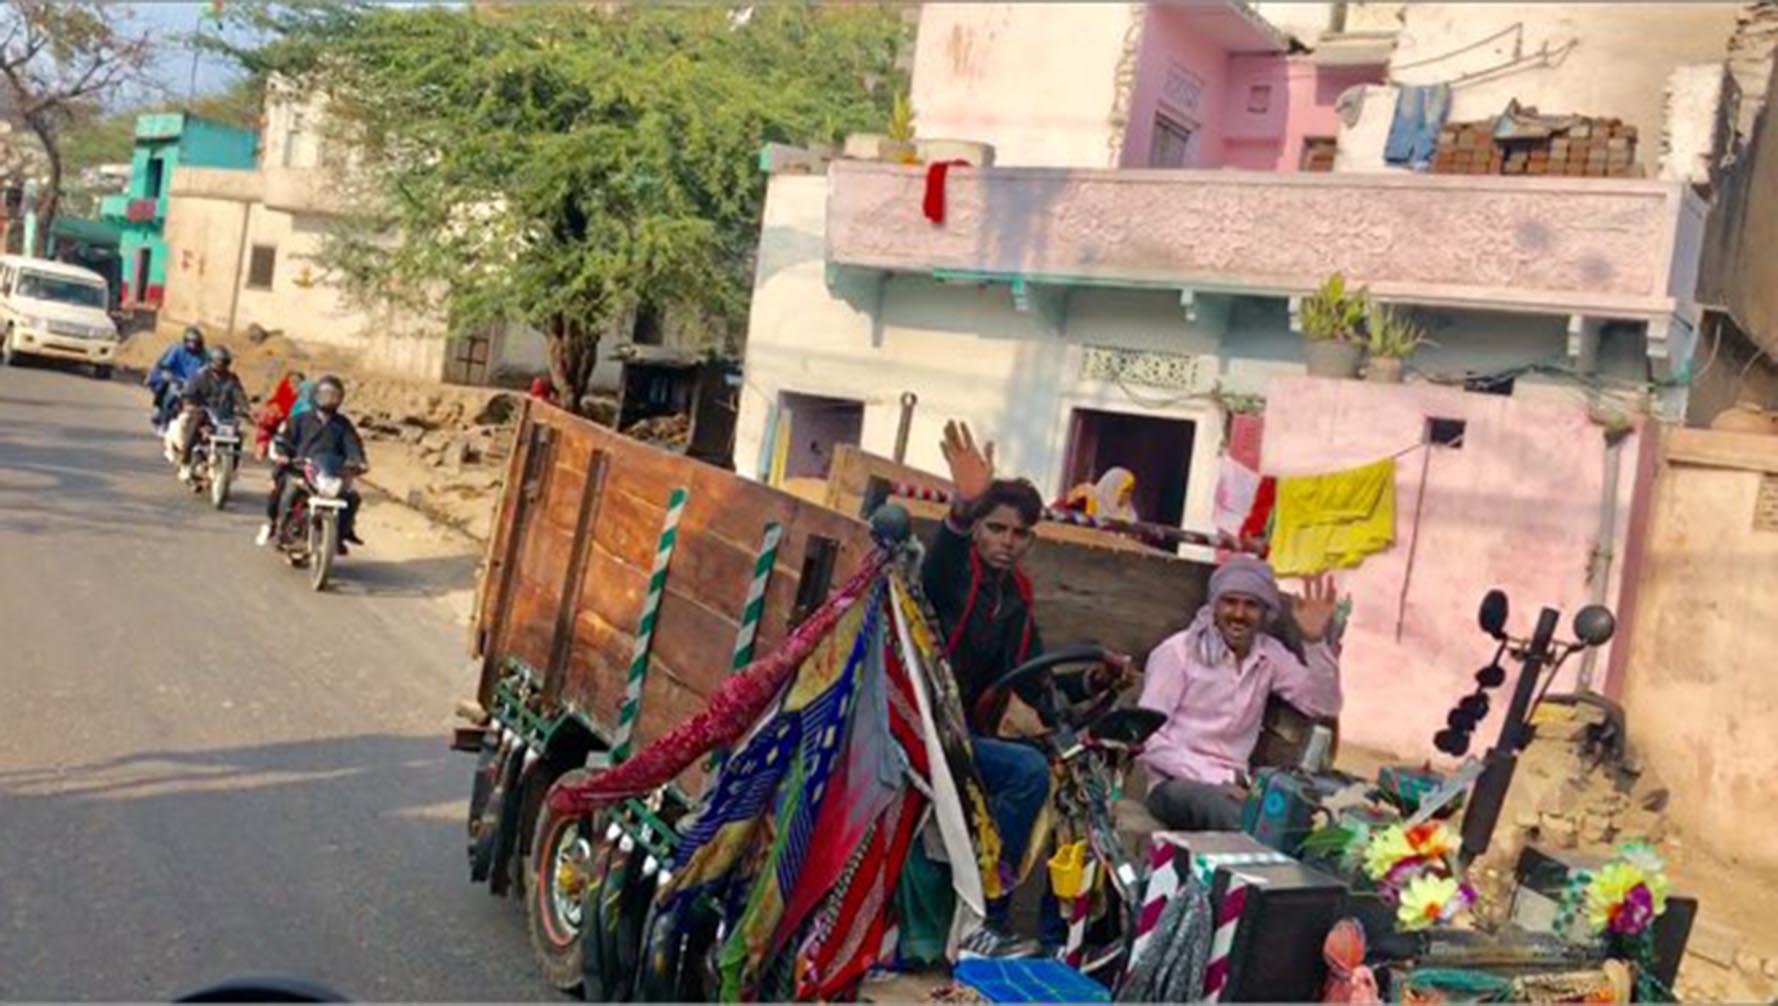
261 363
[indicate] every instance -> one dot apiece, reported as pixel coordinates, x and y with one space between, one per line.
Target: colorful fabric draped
800 847
736 705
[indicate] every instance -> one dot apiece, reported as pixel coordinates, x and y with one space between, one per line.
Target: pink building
1130 259
1196 85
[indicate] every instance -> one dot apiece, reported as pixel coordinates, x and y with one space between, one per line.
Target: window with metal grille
260 266
1171 144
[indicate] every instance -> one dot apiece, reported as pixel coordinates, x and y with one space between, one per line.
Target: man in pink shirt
1212 681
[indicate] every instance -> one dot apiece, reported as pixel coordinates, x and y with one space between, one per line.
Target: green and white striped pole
756 597
651 607
751 612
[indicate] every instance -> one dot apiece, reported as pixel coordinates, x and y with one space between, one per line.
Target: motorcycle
310 533
216 457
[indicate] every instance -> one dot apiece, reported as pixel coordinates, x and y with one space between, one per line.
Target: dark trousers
1185 805
286 484
1017 778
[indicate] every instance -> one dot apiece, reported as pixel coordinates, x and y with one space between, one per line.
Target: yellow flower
1434 840
1385 849
1424 901
1613 883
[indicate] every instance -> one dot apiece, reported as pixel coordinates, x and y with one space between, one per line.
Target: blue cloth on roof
1029 980
1420 112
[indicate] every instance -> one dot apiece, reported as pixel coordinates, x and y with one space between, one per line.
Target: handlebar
1011 681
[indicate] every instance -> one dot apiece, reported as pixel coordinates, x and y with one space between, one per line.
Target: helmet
194 338
221 357
329 393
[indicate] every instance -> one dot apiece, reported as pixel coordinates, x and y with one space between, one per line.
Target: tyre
324 545
222 477
560 870
101 371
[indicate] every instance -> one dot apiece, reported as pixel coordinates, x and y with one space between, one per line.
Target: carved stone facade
1617 248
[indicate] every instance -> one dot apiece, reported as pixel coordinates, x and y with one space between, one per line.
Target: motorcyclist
216 388
176 366
320 431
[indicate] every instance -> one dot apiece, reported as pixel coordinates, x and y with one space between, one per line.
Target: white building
245 249
1085 312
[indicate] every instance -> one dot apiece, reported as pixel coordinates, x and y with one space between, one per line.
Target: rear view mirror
1492 617
1594 625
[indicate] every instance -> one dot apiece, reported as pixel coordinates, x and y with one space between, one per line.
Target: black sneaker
352 537
991 944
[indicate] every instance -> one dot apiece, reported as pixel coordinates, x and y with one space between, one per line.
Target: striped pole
751 612
1074 951
651 607
1163 884
1058 516
1222 938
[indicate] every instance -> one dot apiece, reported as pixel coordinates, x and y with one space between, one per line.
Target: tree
58 59
563 168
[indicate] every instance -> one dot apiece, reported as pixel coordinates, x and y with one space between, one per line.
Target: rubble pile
672 432
1568 794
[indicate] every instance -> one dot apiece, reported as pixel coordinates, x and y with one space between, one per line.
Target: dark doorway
1157 451
817 426
139 291
157 170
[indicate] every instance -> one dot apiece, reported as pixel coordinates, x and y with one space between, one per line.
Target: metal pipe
908 401
1599 570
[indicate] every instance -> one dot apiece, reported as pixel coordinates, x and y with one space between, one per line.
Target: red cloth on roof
1264 500
934 204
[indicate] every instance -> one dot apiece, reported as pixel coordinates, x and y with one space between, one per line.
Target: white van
57 310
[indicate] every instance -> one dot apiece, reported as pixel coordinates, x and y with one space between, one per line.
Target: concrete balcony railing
1604 248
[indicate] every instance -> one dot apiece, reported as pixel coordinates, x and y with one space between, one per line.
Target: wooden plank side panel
853 469
1127 601
707 582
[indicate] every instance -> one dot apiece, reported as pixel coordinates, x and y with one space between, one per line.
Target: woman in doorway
1112 496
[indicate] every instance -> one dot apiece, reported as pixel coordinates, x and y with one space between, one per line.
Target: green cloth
924 904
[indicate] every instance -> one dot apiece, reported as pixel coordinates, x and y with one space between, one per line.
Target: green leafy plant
1390 334
901 120
1333 313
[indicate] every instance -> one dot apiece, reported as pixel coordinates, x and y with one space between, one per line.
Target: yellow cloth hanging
1333 521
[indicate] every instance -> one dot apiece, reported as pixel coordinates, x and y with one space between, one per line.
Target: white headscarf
1108 496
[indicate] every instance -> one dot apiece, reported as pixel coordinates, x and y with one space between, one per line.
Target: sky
171 21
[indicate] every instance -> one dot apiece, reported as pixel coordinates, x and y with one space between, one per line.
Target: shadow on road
341 860
420 577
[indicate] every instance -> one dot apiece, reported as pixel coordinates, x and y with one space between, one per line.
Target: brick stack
1599 148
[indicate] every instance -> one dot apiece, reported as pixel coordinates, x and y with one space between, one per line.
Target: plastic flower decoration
1387 848
1628 893
1394 851
1429 900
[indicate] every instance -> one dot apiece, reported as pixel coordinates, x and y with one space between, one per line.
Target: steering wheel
1086 655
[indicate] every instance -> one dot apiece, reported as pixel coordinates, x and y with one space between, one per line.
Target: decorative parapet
1612 248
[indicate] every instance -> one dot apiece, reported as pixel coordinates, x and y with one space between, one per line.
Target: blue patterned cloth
1029 980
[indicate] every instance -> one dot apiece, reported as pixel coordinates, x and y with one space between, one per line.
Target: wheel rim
564 875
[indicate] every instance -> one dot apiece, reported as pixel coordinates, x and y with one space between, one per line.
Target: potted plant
899 147
1330 320
1389 338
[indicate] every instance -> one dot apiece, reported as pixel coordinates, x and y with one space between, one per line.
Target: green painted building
164 141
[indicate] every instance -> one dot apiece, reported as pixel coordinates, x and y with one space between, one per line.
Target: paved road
205 769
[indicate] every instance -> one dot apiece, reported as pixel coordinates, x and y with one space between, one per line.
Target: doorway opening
1157 451
139 291
818 425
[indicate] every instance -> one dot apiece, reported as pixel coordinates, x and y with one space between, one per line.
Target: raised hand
972 468
1314 607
